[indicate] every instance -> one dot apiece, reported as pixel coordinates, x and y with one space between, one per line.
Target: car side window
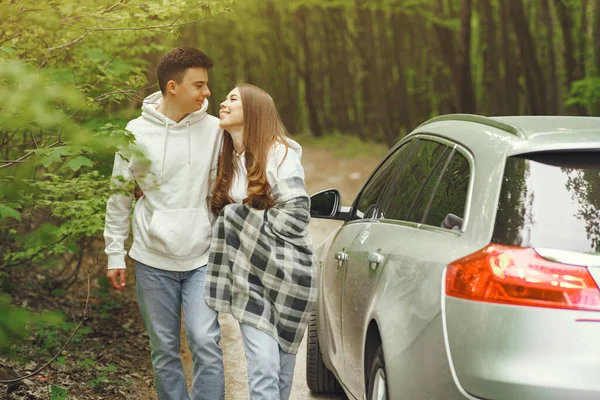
447 207
368 204
407 197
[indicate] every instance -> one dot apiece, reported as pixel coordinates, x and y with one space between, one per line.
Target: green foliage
585 92
18 320
58 393
65 67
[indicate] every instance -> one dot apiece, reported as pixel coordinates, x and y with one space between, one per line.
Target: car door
335 259
401 210
416 358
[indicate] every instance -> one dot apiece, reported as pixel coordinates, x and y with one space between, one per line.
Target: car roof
533 126
537 133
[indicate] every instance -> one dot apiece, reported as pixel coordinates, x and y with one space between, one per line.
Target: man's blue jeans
161 296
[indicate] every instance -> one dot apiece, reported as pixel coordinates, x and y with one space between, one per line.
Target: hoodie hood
293 145
151 114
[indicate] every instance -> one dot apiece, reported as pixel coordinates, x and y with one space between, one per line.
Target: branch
3 267
86 310
26 156
143 28
109 9
51 49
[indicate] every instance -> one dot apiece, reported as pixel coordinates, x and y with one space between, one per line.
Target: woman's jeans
161 296
270 369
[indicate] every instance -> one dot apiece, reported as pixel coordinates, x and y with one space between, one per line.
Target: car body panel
408 312
329 310
526 353
360 286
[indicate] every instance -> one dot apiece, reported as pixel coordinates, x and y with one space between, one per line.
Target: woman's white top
279 166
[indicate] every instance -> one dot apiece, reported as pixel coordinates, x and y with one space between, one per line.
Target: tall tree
492 81
466 92
511 90
536 90
553 80
301 27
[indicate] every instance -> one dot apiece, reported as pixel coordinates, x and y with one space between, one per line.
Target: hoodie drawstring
189 144
162 168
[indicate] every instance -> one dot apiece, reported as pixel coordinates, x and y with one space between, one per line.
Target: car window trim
430 176
471 160
443 140
437 185
413 144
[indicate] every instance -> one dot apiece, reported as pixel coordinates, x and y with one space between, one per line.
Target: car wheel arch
372 342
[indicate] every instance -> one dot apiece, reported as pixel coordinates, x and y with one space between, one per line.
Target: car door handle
341 256
374 260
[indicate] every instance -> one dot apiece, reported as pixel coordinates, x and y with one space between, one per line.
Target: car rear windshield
551 200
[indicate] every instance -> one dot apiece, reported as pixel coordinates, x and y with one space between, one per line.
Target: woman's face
232 114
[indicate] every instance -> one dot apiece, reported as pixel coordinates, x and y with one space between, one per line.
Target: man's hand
112 276
138 192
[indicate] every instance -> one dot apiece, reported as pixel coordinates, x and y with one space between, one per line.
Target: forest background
72 73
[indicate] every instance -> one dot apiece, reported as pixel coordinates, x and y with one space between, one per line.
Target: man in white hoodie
171 224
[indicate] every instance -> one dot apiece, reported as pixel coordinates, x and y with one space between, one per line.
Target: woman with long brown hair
261 263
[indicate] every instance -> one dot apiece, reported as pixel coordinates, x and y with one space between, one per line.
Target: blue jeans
161 296
270 369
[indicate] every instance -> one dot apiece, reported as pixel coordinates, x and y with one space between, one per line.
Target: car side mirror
326 204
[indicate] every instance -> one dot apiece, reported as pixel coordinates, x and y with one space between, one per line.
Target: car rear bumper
512 352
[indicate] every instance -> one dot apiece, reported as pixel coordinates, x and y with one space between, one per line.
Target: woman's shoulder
280 150
285 160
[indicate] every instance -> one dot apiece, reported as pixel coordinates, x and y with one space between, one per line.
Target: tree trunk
372 84
536 90
309 93
597 36
492 81
511 89
553 102
341 90
446 38
466 92
400 57
574 71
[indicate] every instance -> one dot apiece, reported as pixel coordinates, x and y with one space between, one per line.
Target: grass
344 146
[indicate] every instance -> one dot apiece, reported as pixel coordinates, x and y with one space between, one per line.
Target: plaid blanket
261 265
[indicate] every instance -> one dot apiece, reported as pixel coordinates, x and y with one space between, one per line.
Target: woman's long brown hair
262 129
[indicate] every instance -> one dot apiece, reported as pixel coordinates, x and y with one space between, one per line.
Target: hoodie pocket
180 233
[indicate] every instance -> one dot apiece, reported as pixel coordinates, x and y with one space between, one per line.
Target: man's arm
212 175
116 227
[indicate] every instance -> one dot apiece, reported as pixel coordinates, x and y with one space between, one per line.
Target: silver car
467 267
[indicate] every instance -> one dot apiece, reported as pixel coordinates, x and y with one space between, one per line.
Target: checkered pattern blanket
261 266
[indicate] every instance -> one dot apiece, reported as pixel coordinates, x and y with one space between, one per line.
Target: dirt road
322 172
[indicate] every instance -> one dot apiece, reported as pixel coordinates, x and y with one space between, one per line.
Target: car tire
378 387
318 377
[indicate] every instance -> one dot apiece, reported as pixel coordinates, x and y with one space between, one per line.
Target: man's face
192 90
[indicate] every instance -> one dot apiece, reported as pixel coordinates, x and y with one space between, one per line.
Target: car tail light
520 276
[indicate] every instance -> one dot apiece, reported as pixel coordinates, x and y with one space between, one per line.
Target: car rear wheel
378 389
318 377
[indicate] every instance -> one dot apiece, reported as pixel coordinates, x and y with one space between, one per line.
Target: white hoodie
171 222
282 163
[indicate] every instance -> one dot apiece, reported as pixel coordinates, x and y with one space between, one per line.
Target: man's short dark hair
174 64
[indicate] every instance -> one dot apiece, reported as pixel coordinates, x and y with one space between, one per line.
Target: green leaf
58 393
8 212
76 163
7 50
58 292
86 363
